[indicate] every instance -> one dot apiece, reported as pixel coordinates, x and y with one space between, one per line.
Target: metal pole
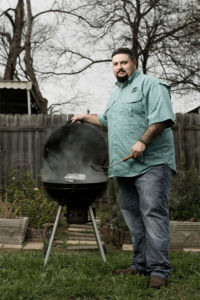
29 102
97 234
52 235
36 150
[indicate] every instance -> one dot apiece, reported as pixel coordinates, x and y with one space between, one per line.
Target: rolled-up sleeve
102 119
158 104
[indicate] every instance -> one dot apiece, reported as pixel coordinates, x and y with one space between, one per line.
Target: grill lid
70 151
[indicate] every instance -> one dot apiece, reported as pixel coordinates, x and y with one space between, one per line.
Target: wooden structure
22 139
194 110
18 97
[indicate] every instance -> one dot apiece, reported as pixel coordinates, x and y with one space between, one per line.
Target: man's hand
79 117
90 118
137 149
146 138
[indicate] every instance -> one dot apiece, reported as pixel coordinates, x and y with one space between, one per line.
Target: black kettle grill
68 177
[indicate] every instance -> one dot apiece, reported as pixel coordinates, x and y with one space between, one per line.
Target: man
138 116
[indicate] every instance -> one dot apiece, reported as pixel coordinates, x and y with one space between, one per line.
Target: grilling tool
101 168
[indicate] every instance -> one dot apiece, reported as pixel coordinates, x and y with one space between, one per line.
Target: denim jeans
144 205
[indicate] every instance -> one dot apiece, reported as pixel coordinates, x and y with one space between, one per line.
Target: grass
73 275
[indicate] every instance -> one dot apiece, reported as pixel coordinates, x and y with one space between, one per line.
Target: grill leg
52 235
97 234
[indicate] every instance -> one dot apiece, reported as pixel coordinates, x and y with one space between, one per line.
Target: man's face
123 66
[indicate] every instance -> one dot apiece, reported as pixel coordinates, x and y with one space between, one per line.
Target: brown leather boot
156 282
124 271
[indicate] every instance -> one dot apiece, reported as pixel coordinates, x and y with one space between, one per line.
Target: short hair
124 51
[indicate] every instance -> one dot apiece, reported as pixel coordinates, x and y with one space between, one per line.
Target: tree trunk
15 43
28 61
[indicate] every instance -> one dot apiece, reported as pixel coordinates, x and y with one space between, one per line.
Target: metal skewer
101 168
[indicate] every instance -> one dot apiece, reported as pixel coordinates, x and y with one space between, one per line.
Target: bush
184 201
32 202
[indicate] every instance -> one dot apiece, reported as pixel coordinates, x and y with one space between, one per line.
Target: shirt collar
130 79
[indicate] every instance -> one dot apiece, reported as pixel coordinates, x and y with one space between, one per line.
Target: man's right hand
90 118
77 118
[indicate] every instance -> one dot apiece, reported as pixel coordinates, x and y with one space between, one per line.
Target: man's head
124 64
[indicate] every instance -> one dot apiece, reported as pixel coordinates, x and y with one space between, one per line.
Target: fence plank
197 143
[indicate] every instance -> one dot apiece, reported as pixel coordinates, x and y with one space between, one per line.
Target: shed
17 97
194 110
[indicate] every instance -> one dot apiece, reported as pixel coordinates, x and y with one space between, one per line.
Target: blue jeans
144 205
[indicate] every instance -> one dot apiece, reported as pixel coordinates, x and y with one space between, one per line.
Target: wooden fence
186 133
22 139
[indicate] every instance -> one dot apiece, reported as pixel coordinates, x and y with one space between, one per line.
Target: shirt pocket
133 104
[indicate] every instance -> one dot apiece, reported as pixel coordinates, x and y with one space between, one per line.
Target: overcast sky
96 83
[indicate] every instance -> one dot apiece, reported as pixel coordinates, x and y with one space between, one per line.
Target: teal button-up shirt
140 102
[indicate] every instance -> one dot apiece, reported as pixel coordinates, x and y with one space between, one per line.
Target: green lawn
73 275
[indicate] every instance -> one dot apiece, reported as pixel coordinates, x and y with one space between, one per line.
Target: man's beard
122 79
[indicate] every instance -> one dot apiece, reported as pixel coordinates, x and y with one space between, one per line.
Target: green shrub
184 201
31 201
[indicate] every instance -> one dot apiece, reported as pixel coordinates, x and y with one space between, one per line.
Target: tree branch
74 72
80 17
7 35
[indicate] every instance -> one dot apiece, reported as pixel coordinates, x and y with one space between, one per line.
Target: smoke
69 173
71 151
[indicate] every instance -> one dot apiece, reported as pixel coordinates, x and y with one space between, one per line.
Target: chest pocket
133 104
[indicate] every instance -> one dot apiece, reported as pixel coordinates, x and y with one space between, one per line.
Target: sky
95 84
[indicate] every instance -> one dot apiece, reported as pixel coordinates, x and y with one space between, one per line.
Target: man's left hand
137 149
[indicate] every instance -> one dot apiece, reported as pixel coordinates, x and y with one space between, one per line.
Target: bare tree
18 40
163 35
13 40
29 70
29 47
72 102
77 35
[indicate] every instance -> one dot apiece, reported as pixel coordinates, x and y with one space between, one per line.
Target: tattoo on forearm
153 131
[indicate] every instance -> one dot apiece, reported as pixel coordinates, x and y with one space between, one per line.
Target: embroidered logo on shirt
134 90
